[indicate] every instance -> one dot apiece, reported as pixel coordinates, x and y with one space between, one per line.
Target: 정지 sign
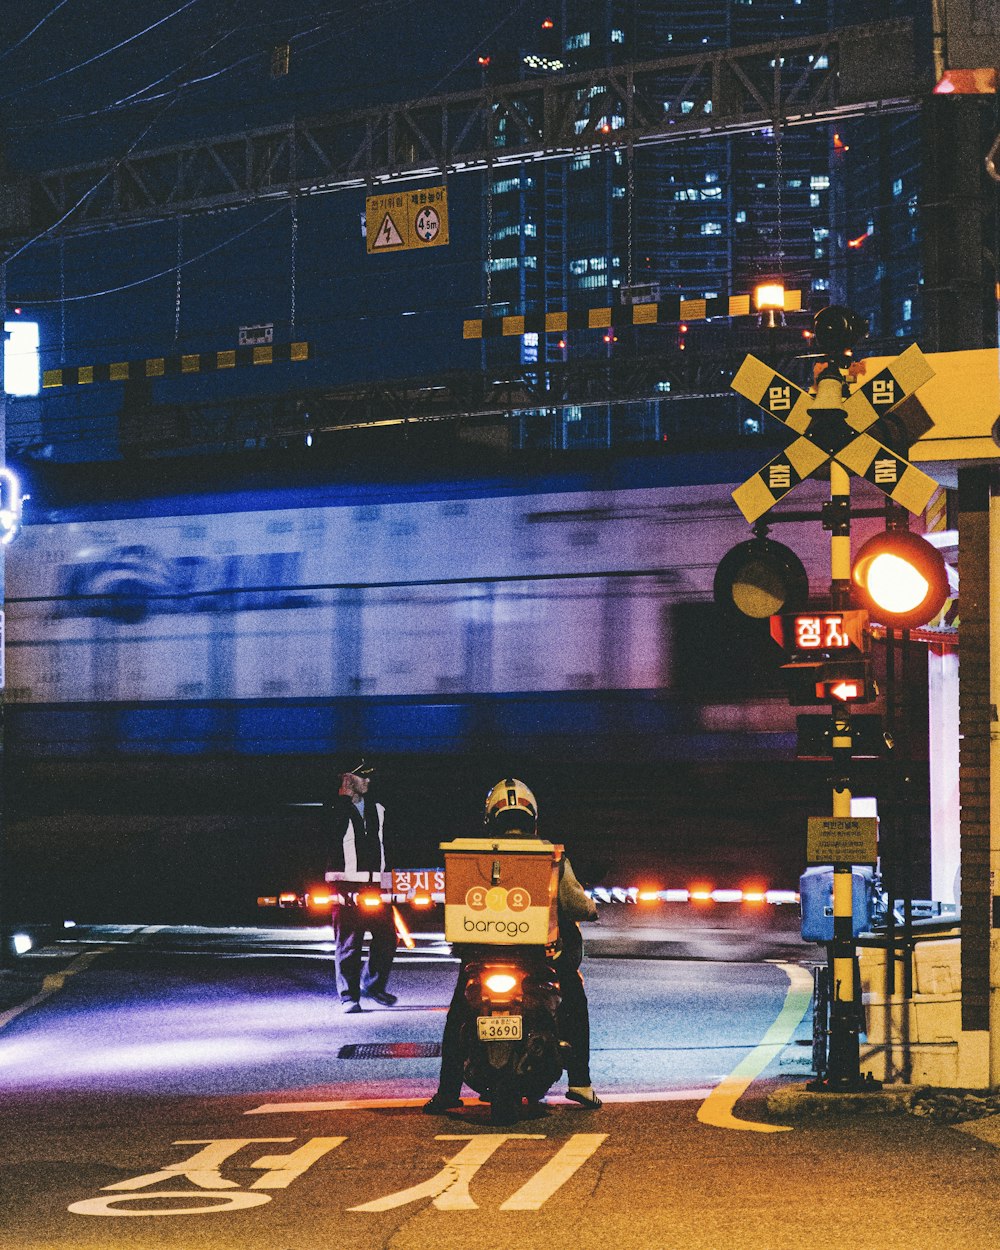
401 220
842 840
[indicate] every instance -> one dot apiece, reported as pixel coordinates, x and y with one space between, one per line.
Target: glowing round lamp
900 578
769 297
760 578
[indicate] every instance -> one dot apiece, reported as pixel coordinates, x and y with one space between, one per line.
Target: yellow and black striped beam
937 519
174 366
672 310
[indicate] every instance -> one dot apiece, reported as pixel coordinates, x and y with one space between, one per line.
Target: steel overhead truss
153 429
828 77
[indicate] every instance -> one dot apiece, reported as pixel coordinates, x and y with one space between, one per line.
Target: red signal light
900 578
483 60
548 24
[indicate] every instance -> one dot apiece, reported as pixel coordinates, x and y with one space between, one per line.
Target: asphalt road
156 1097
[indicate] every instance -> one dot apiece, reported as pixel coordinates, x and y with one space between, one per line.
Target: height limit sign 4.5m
403 220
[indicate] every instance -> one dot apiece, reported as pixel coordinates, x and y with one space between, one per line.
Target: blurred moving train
287 621
176 656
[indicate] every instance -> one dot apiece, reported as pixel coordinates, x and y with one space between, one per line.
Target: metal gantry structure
856 71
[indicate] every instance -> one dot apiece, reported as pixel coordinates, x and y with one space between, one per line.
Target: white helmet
511 808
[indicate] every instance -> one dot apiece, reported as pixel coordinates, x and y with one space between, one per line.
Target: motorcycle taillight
501 984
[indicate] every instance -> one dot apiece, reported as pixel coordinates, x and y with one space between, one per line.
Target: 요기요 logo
497 898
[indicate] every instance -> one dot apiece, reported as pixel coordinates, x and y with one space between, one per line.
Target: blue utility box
816 901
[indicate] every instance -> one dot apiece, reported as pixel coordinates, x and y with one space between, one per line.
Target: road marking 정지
554 1174
449 1188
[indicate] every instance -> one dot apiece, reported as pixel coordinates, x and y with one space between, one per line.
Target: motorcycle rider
511 809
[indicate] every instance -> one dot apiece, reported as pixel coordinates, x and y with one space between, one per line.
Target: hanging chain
489 207
629 201
177 293
489 234
293 250
779 162
62 300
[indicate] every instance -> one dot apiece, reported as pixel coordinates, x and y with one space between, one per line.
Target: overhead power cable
42 82
174 268
37 26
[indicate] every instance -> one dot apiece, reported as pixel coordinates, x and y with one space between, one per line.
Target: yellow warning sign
402 220
842 840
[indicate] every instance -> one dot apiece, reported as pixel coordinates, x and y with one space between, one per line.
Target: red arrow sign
845 690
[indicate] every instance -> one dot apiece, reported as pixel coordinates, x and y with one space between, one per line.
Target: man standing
356 866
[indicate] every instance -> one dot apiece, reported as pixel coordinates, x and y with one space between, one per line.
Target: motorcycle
510 1036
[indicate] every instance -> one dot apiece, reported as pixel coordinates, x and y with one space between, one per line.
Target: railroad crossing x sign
834 433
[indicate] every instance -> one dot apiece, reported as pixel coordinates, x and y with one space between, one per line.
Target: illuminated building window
820 284
741 216
617 36
897 186
511 262
907 309
529 348
819 182
578 41
20 358
814 200
820 232
512 184
711 227
618 193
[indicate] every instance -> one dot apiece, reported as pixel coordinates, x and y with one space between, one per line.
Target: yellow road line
52 984
717 1109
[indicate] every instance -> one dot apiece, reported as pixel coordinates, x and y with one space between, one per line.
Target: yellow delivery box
501 891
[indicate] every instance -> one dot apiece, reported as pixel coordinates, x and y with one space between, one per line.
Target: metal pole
890 871
844 1069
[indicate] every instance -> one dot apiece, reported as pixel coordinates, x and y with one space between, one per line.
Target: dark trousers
573 1022
349 925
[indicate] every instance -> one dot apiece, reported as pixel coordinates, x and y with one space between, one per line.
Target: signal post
832 427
